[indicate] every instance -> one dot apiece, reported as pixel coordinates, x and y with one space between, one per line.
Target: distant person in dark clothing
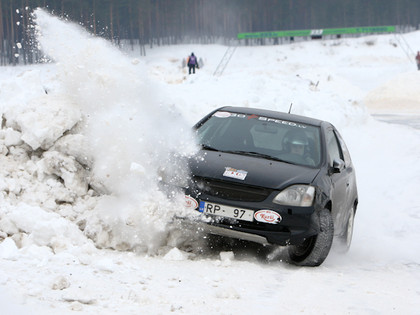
418 60
192 63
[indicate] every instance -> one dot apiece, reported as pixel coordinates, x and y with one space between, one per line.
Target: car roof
273 114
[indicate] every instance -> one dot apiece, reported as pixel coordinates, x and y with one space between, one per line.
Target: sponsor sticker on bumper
267 216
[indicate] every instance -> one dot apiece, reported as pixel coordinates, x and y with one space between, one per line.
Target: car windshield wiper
207 147
266 156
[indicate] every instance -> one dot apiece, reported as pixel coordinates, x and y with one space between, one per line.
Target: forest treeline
160 22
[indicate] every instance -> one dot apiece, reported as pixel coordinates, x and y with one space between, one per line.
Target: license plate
226 211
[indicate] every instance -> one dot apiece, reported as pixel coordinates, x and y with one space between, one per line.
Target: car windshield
275 139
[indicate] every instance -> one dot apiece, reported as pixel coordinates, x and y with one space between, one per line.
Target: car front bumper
296 224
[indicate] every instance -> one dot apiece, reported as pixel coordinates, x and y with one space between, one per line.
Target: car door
340 175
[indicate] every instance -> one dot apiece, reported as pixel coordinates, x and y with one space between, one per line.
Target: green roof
319 32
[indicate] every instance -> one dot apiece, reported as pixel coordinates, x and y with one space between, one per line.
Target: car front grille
229 191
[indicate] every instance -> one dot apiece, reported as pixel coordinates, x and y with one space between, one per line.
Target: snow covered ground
84 229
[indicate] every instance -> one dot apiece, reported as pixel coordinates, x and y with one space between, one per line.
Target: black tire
313 251
344 240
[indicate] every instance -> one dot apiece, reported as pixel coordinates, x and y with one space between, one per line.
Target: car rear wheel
313 251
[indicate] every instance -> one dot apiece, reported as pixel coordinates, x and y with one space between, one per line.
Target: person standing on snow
418 60
192 63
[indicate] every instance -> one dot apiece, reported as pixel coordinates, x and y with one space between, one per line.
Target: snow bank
89 147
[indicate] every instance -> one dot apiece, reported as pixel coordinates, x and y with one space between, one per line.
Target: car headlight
296 195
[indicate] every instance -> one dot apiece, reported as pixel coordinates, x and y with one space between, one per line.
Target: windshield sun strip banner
224 114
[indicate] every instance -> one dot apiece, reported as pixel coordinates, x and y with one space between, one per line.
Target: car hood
255 171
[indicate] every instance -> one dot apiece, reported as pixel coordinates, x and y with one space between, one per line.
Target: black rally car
274 178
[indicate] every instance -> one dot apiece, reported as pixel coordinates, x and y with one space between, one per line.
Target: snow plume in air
129 134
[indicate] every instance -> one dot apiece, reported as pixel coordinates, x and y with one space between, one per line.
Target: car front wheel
313 251
344 240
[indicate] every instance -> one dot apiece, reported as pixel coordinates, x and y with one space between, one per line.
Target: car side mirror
338 166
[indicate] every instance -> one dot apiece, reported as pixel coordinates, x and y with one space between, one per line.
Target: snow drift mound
90 147
400 93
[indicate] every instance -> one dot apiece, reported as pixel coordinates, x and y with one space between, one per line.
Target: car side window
344 149
333 147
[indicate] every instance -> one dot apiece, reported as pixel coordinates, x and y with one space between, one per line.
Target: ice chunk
43 120
67 168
